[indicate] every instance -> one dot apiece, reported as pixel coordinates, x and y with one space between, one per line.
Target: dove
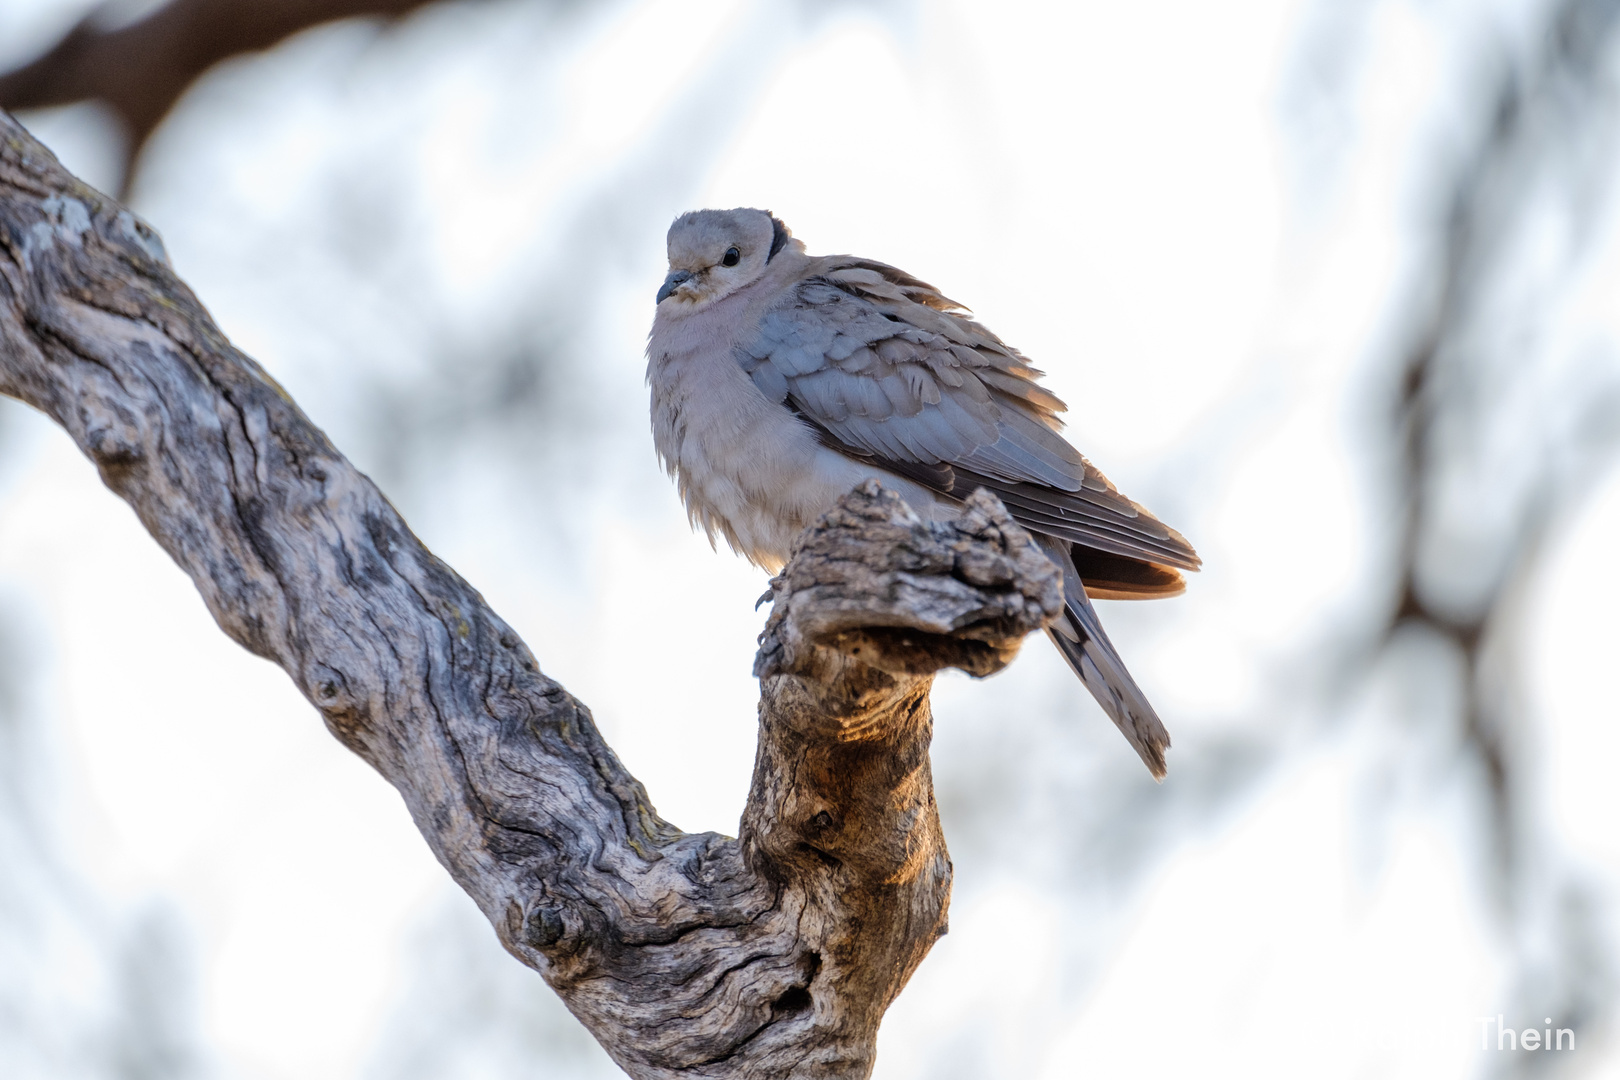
780 380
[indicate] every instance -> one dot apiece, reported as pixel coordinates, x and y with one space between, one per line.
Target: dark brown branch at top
140 70
771 955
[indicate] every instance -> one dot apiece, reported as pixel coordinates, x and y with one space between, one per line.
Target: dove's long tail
1080 638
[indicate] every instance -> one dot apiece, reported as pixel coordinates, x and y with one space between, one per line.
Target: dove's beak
676 279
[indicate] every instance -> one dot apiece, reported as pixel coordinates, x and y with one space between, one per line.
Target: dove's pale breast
746 467
781 380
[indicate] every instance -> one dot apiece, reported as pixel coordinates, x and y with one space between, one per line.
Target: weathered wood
773 955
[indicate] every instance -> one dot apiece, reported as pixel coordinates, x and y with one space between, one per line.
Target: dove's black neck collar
779 237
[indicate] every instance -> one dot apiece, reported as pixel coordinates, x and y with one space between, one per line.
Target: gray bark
686 955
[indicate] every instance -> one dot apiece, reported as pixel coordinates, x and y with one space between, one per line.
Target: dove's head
713 253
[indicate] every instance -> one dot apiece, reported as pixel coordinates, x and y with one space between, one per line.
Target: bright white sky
1111 188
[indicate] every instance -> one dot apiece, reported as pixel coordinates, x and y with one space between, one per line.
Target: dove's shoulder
892 366
893 372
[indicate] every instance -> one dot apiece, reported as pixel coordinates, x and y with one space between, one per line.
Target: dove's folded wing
888 370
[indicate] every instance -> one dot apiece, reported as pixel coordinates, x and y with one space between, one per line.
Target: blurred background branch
1493 451
1541 118
139 68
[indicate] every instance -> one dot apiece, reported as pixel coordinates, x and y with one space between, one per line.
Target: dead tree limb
773 955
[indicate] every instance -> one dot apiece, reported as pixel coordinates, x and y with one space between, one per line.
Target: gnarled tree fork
687 955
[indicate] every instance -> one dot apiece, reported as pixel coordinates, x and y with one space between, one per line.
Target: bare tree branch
773 955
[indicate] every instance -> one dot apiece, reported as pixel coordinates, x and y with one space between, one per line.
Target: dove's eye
732 257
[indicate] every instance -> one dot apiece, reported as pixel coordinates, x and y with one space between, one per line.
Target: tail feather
1079 636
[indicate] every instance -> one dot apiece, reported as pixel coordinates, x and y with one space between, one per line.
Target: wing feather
890 371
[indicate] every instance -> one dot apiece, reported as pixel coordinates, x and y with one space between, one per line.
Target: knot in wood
544 927
111 436
874 582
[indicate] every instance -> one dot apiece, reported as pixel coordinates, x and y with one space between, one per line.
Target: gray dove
781 380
